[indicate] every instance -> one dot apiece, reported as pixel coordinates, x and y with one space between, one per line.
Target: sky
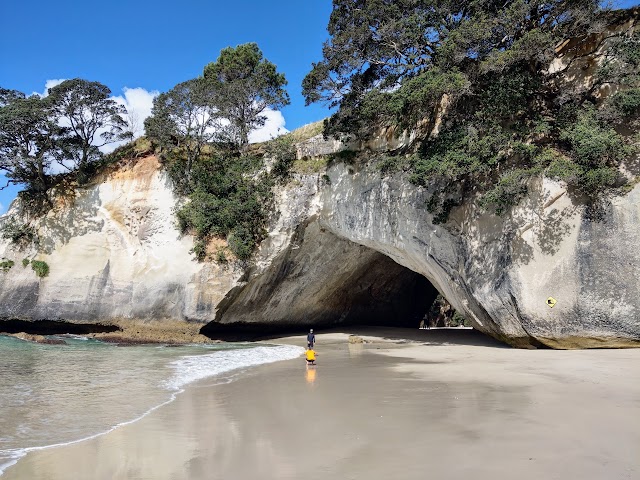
139 47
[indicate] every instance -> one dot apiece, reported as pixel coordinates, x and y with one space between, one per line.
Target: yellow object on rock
551 302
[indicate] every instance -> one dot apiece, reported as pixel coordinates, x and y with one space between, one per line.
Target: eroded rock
358 248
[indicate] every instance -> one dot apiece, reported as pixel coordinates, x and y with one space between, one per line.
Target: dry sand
407 407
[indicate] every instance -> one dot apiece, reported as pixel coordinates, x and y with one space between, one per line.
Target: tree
245 85
377 44
184 117
94 120
66 127
29 142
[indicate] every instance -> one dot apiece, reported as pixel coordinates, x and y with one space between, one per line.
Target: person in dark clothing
311 339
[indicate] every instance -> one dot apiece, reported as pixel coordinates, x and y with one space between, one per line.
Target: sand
407 405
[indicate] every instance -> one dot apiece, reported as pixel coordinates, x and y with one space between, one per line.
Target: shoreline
403 403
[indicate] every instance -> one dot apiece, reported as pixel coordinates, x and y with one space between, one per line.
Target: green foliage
459 152
479 73
440 205
379 45
20 234
25 262
507 95
415 99
29 143
442 314
228 198
593 144
64 129
5 265
590 181
623 108
344 156
389 164
221 256
509 190
306 131
40 267
283 153
627 102
458 320
200 249
94 120
245 85
311 165
185 118
134 149
594 152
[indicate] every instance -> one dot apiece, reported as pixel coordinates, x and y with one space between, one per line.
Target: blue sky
155 45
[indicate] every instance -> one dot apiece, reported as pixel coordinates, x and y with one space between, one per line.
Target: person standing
311 339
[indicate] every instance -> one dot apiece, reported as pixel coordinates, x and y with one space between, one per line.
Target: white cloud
273 127
138 103
49 84
1 209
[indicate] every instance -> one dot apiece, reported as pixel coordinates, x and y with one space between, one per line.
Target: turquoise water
57 394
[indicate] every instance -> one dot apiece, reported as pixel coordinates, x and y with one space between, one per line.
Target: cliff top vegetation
486 85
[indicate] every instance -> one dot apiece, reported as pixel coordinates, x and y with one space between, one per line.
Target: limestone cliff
348 245
114 255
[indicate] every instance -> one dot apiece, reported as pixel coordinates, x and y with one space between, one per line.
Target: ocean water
58 394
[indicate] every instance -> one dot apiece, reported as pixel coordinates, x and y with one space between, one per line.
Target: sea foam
192 368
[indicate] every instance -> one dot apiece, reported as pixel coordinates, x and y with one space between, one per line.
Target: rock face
346 246
499 272
114 253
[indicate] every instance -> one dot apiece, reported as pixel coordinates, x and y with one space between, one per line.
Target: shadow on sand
432 336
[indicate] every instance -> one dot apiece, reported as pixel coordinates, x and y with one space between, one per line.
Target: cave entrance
323 282
441 314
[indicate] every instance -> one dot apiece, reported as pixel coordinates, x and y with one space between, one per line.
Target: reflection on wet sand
311 374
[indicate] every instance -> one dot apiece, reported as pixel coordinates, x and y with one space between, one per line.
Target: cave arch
323 281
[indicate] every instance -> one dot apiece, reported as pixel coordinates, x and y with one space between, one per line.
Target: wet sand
408 405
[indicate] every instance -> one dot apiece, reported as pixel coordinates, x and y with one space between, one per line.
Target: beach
405 404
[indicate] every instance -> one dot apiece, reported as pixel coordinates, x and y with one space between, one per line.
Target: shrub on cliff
6 265
228 198
40 267
18 233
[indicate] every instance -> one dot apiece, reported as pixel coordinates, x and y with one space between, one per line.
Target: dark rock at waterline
27 337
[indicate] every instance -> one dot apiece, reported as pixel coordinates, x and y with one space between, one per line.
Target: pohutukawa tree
378 44
186 118
245 85
94 120
481 68
29 142
67 127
